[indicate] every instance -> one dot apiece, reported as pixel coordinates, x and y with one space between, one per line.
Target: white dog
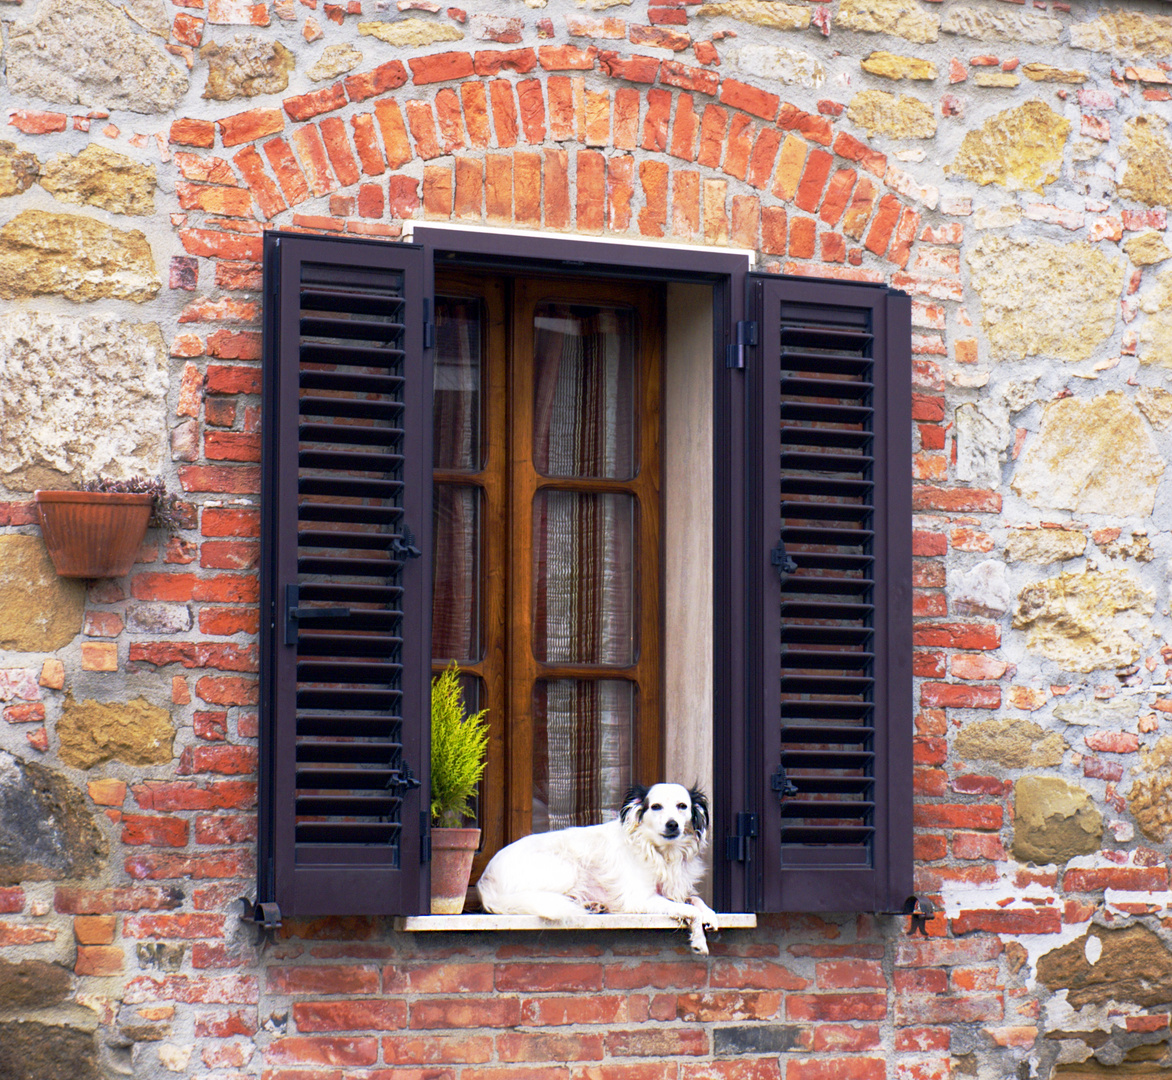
648 862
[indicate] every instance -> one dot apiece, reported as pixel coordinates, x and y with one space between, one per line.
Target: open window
658 538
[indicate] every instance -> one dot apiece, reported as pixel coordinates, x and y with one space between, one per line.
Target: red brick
697 80
978 846
226 760
746 221
566 57
288 171
852 1068
591 191
440 67
807 1007
815 128
1042 920
657 1042
954 500
636 69
469 189
712 130
306 106
230 521
323 979
217 690
930 848
852 149
225 829
560 90
774 237
402 196
229 621
952 816
213 990
658 38
739 95
685 204
394 133
223 1025
295 1050
99 960
619 191
833 247
838 194
1125 878
249 126
492 62
666 16
214 198
958 635
1112 742
597 118
960 696
263 189
715 214
210 243
422 123
77 901
474 98
384 1015
179 927
708 1007
188 132
33 122
849 974
504 112
498 188
464 1012
905 233
763 157
740 144
370 201
548 1046
527 188
656 121
556 183
884 224
154 831
683 133
451 121
532 105
845 1038
368 84
212 726
789 167
802 237
627 101
543 977
154 867
337 144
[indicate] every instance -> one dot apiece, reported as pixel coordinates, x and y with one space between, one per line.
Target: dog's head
668 812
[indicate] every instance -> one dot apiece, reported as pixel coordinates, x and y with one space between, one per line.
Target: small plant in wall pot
459 747
96 532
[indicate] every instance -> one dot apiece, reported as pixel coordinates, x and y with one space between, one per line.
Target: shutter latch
403 779
404 546
294 615
746 334
266 917
783 561
737 845
921 909
782 784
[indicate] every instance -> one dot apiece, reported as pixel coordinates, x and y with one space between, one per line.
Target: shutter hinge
737 845
267 918
921 909
428 325
783 561
746 334
782 784
425 836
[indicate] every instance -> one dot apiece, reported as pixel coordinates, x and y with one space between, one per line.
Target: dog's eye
657 806
681 806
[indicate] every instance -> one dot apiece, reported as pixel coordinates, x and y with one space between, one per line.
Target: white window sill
728 921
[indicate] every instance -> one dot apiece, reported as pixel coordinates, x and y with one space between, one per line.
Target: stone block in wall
18 169
30 1050
793 67
335 60
1150 796
1044 299
1044 545
75 257
247 66
410 33
1013 744
87 52
902 117
1125 33
135 732
39 611
100 177
1054 821
32 984
1020 149
1086 622
47 831
985 24
1129 965
1092 457
82 396
775 16
900 18
1147 161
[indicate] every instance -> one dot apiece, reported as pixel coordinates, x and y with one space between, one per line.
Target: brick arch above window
566 139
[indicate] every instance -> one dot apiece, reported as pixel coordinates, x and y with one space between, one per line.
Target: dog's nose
671 827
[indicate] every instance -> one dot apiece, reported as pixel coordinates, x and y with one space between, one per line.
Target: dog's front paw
697 939
708 917
596 907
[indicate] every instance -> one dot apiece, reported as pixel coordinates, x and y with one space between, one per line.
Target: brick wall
1009 165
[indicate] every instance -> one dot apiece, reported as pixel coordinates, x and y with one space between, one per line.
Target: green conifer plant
459 747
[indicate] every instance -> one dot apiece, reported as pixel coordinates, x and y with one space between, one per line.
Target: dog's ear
700 819
634 802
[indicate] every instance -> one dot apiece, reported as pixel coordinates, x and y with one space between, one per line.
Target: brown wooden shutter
346 553
829 594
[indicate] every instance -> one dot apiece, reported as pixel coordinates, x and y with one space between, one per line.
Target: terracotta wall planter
451 868
93 534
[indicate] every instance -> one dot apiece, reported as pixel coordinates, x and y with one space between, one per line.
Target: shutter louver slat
826 418
339 695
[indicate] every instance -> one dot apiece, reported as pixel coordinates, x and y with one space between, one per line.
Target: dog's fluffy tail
546 905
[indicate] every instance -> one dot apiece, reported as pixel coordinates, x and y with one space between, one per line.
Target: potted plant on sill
459 747
96 532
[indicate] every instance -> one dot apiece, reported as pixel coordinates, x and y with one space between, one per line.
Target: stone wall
1008 164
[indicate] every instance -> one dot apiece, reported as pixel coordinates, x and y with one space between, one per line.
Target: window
546 538
781 514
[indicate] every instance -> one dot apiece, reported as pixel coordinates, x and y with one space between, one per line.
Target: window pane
457 382
582 746
584 561
455 612
585 390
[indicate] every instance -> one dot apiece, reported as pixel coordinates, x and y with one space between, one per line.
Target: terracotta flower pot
93 534
451 867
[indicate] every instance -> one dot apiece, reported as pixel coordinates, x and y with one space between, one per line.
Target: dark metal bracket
266 917
921 909
782 784
783 561
295 615
404 546
737 845
746 335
